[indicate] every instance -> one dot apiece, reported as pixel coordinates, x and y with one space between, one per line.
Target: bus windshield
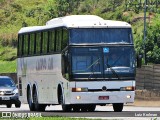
103 62
100 35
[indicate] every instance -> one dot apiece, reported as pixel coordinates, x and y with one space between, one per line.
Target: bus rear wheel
38 107
29 100
117 107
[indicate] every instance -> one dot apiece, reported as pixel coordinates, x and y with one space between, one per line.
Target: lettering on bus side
50 64
43 64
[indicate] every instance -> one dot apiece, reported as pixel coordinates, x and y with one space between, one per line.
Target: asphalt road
101 111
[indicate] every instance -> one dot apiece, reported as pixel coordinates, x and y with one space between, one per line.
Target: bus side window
65 38
26 44
58 40
45 40
32 37
35 40
51 41
20 38
22 45
38 43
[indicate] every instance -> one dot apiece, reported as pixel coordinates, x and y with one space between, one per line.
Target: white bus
77 61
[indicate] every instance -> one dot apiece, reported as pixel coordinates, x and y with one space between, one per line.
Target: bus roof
78 21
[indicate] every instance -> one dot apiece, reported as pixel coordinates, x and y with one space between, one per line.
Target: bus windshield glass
103 62
100 35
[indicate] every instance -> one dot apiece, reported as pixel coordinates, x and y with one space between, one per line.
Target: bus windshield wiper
112 70
95 63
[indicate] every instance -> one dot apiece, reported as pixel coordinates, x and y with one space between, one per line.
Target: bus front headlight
79 89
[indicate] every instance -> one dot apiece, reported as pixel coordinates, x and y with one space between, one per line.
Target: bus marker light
78 97
79 89
129 88
103 97
128 96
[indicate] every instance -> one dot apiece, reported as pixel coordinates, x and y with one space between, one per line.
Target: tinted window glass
32 39
51 41
6 82
45 40
110 35
65 38
20 45
38 43
26 44
58 39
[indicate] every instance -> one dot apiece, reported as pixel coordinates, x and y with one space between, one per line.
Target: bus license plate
103 97
5 98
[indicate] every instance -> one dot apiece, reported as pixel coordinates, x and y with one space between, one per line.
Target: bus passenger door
66 74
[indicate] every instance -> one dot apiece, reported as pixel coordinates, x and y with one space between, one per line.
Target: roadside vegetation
48 118
15 14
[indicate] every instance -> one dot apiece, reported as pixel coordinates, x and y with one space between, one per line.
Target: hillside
15 14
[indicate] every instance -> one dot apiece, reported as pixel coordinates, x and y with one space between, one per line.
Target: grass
49 118
8 66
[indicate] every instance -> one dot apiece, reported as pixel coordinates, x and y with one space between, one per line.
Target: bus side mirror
139 61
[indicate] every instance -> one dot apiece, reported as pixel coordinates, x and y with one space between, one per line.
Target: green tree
62 7
153 43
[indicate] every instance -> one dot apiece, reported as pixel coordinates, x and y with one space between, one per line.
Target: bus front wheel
91 108
117 107
66 108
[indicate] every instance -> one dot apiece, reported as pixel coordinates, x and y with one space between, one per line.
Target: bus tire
91 108
9 105
29 100
38 107
76 108
117 107
66 108
84 108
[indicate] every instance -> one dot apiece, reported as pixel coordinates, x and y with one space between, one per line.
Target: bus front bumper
102 97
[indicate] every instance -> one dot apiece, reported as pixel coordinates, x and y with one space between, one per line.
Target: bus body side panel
95 91
45 73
